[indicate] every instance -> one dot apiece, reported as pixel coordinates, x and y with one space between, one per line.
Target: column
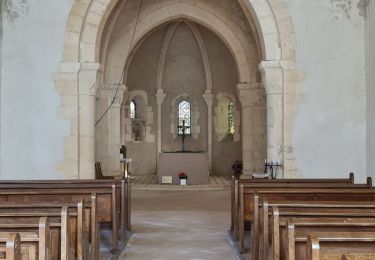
272 78
87 84
209 98
114 127
248 94
160 96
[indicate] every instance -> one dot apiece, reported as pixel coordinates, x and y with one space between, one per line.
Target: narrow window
132 109
184 115
230 118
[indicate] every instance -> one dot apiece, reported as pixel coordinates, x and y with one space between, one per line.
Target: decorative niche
227 118
139 119
184 109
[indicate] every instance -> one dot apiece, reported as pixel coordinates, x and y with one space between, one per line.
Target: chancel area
187 129
180 94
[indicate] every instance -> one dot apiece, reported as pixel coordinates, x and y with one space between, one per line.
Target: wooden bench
245 210
79 221
272 231
113 202
298 231
12 248
275 183
13 198
45 240
279 195
340 246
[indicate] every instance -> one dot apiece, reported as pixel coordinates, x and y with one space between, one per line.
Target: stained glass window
230 118
132 109
184 115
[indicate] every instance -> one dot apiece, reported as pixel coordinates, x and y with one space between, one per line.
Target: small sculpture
237 168
123 151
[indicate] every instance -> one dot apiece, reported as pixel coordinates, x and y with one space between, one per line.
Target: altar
194 165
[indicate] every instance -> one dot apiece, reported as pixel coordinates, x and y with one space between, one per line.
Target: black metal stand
272 167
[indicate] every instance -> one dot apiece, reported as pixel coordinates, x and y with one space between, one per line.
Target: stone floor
179 225
150 182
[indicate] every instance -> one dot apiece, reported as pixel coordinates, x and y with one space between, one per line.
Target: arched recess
80 73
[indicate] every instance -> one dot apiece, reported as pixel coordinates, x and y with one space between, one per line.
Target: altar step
150 182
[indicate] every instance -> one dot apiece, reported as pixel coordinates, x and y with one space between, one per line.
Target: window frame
180 119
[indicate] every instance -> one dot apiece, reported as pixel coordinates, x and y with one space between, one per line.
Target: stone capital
118 92
209 98
272 76
91 66
89 75
247 93
160 96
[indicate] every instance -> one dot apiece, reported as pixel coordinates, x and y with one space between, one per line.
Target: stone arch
80 67
200 16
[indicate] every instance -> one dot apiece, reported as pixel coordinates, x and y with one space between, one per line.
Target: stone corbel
160 96
209 98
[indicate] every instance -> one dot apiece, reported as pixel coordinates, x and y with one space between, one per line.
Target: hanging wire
123 71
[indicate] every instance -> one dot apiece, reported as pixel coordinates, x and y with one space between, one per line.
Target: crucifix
183 129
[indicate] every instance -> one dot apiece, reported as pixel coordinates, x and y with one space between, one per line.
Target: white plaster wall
31 133
370 72
1 59
329 130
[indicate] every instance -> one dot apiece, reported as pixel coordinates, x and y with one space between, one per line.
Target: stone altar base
195 165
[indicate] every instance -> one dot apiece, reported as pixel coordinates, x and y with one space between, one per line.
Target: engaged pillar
272 77
209 98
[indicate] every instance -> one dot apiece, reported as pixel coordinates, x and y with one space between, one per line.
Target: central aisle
179 225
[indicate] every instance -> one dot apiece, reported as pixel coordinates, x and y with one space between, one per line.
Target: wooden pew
275 183
273 228
123 185
99 174
279 195
34 245
114 198
49 204
298 230
54 237
244 211
79 221
339 246
12 248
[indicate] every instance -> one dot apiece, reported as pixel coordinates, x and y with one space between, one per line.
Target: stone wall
370 69
184 74
329 130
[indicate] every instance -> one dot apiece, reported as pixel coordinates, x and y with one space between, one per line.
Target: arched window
184 116
133 107
230 118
